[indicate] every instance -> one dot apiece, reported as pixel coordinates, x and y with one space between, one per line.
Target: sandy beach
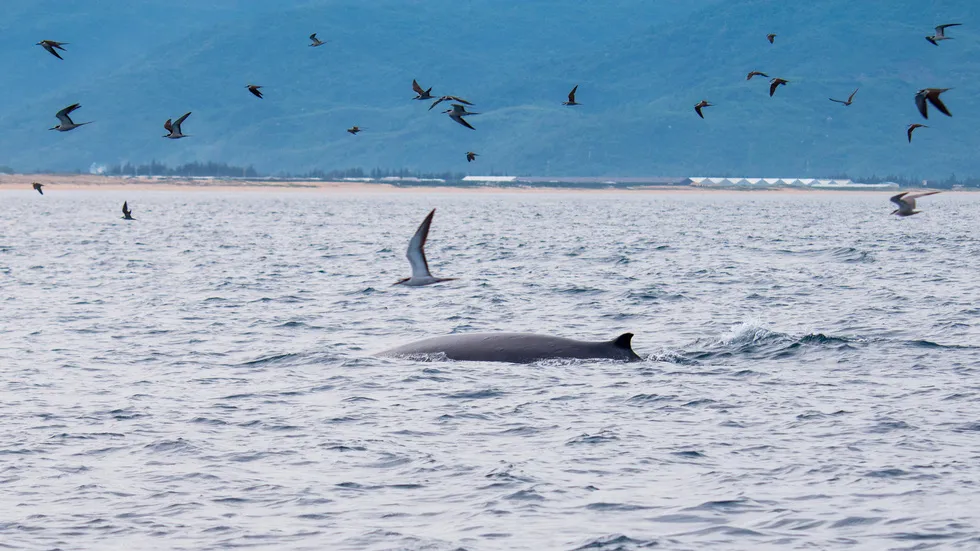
77 182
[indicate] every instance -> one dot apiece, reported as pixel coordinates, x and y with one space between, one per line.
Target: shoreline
86 182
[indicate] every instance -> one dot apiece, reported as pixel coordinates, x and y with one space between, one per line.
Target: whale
518 348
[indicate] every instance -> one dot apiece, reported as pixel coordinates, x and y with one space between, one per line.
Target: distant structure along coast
702 182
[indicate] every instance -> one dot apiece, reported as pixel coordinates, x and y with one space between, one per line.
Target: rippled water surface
202 378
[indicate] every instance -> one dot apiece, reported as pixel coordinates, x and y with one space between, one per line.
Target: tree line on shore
224 170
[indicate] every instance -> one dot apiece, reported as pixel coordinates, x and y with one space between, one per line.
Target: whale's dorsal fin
624 341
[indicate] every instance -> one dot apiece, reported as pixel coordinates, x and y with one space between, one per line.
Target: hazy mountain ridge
641 67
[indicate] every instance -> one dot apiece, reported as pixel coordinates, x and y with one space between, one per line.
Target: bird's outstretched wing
180 121
938 104
416 248
63 114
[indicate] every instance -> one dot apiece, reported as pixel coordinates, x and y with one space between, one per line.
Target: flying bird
906 202
174 128
932 96
936 38
470 156
316 41
457 113
771 37
850 99
416 257
127 214
702 103
419 92
66 122
255 90
756 74
911 128
37 187
461 110
354 130
571 97
776 83
50 46
447 98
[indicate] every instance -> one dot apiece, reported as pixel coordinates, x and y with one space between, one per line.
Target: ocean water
202 377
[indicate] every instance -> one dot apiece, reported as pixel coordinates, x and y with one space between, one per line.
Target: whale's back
516 348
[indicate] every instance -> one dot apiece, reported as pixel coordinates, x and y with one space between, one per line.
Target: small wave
692 454
856 521
923 536
296 325
208 421
270 360
968 427
887 426
851 255
725 530
925 344
616 542
476 394
576 290
811 415
171 446
654 294
603 506
125 414
848 255
752 340
508 473
886 473
922 343
651 398
592 439
525 495
727 505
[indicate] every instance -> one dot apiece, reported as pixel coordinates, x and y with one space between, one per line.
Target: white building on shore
771 183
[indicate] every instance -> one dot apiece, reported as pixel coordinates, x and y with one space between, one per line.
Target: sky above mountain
641 66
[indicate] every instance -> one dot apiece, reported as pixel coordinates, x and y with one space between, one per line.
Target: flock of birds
458 111
923 97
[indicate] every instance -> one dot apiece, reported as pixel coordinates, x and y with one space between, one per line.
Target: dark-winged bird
470 156
354 130
756 74
932 96
66 122
448 98
457 113
50 46
255 90
173 128
315 41
850 99
906 202
419 92
771 37
127 214
776 83
37 187
571 97
911 128
699 106
941 33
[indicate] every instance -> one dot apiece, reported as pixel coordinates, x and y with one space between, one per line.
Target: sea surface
202 377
